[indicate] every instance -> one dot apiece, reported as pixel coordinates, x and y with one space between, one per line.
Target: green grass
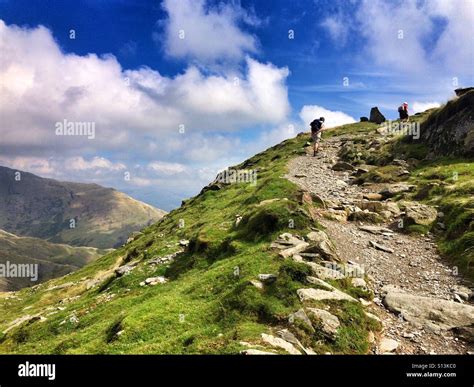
449 184
208 305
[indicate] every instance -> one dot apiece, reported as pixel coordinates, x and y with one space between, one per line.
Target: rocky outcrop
376 116
432 313
450 129
321 244
417 213
328 322
327 292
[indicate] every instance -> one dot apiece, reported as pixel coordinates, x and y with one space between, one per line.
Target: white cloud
422 106
332 118
96 163
132 109
166 168
381 23
337 27
137 115
210 33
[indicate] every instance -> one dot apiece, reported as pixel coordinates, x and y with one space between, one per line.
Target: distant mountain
72 213
53 260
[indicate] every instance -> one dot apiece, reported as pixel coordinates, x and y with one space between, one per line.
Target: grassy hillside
43 208
209 304
54 260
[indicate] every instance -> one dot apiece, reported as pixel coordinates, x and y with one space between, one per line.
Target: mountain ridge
79 214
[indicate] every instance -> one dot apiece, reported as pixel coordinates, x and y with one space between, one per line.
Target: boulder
318 200
387 345
319 294
289 245
328 322
431 313
417 213
372 196
302 317
267 278
286 335
371 205
320 243
293 250
337 215
343 166
359 283
155 281
465 333
365 216
125 269
395 189
280 343
324 272
376 116
363 119
257 284
463 292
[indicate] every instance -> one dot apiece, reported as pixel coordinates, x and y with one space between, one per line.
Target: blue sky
244 76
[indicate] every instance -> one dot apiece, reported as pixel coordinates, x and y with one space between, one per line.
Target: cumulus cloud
422 106
400 36
172 127
166 168
332 118
40 85
195 30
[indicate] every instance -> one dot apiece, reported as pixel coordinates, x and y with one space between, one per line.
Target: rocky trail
423 303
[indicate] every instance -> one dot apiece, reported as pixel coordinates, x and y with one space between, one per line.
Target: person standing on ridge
317 126
403 112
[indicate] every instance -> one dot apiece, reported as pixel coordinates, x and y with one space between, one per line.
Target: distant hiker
403 111
317 126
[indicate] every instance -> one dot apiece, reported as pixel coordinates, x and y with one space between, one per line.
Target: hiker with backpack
317 126
403 111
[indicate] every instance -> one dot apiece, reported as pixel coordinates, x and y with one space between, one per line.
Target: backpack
400 109
315 126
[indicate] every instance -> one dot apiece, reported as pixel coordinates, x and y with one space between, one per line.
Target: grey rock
320 243
267 278
380 247
301 316
432 313
387 345
280 343
155 280
329 322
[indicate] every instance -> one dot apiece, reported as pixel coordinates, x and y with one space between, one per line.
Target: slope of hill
258 268
449 129
43 208
53 260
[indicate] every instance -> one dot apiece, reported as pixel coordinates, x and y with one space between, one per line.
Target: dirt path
414 266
